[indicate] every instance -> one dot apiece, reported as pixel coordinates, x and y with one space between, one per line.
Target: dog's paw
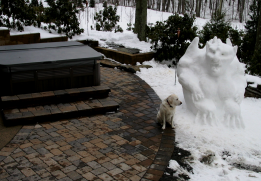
163 127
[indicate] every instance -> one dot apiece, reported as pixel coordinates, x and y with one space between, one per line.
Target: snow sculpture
213 82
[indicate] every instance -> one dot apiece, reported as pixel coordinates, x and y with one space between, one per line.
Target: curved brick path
128 145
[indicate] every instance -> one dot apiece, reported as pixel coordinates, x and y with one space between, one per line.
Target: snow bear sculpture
213 82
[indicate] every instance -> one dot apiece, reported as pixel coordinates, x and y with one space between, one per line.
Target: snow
175 166
213 82
242 145
256 80
32 29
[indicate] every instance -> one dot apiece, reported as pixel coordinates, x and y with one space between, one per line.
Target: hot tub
47 66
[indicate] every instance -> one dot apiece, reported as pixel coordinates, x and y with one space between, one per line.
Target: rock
252 92
37 126
258 86
144 66
114 45
129 50
208 158
134 69
122 48
248 83
109 63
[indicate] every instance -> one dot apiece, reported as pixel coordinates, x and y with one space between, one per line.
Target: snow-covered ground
230 146
242 145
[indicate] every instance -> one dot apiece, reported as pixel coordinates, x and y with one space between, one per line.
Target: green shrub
106 19
254 66
61 16
165 40
249 55
19 12
118 29
38 10
129 27
92 4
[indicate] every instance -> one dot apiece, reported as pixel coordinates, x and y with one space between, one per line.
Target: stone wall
54 39
24 39
6 39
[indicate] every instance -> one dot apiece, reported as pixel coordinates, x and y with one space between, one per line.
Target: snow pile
173 164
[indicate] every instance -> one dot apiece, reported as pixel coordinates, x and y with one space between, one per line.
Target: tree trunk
216 8
198 7
158 5
141 19
179 6
149 4
241 12
258 33
233 10
173 6
205 7
153 5
183 6
220 6
163 5
167 6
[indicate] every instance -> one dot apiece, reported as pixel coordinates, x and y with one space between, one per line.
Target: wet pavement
127 145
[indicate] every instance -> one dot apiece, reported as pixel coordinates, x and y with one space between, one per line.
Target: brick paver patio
127 145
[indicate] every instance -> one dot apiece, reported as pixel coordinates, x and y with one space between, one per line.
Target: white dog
167 110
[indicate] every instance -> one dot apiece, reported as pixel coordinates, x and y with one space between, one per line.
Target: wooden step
53 112
54 97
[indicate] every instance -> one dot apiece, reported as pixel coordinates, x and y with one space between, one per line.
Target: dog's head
173 100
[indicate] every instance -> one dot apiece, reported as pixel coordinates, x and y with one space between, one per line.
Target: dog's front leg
172 122
163 122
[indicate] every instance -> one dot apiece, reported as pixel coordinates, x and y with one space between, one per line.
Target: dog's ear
170 100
